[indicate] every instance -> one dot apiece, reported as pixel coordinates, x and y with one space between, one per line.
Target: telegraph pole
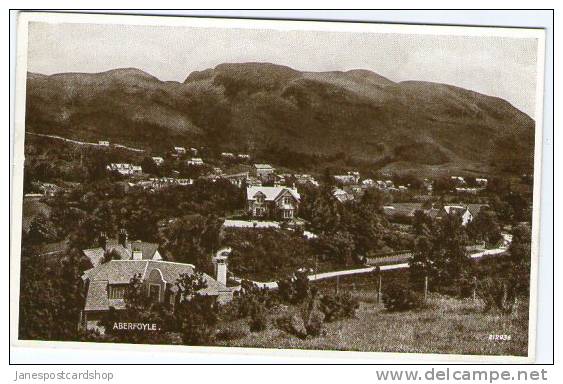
425 288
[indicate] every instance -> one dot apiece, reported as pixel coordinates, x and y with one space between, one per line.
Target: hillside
253 106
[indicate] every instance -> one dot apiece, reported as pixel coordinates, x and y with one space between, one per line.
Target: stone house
106 284
272 202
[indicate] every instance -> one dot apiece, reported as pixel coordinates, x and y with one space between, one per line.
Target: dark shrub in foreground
294 289
258 319
401 298
338 307
227 334
314 325
497 293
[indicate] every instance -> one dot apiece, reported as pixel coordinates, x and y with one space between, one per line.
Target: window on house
116 292
287 214
154 293
287 200
259 211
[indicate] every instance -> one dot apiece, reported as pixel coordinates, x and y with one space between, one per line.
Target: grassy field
445 325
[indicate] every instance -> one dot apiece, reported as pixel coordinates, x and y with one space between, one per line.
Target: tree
193 239
453 265
519 206
51 298
338 246
196 315
149 166
96 168
485 227
41 230
422 223
443 258
443 185
295 288
142 223
520 251
421 265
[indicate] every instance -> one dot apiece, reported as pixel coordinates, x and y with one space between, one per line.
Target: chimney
123 237
137 254
103 241
220 262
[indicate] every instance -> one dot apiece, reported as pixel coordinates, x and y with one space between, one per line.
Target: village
325 227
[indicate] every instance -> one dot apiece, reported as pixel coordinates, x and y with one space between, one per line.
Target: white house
263 170
158 160
197 161
125 168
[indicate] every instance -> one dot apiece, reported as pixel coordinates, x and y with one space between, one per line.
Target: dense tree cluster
51 296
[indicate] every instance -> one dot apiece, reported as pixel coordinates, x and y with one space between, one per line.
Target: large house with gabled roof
272 202
107 283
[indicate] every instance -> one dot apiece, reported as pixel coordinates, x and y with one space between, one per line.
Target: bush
294 289
338 307
248 298
401 298
497 293
315 324
197 319
462 289
227 334
292 324
258 319
308 322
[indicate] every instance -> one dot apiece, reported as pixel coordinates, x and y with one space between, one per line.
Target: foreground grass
446 325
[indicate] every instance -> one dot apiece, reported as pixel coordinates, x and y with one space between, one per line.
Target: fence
404 255
389 258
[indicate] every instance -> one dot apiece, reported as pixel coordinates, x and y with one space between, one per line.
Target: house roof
341 195
250 224
96 255
97 297
263 166
121 271
454 209
345 178
402 209
474 209
270 193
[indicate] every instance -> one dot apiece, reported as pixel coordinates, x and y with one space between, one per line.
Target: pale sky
502 67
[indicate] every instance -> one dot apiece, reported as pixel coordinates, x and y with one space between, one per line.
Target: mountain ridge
253 106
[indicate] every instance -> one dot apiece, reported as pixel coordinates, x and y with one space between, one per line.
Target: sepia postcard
272 185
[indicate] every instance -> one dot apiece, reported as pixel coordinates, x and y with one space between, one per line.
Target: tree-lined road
357 271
